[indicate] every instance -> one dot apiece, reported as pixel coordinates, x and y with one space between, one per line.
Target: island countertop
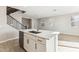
43 33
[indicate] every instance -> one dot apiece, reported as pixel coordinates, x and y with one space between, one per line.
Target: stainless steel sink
35 32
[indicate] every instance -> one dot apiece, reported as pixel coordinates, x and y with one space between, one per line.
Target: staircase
12 21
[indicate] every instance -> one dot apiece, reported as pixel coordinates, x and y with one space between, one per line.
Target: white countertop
44 33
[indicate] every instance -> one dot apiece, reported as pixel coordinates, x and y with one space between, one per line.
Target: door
26 22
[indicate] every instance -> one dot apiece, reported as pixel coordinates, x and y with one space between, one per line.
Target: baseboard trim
9 39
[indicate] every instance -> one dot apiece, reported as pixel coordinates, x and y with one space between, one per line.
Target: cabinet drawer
30 36
41 41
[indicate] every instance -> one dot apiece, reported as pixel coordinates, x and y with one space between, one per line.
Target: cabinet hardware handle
40 40
35 46
27 41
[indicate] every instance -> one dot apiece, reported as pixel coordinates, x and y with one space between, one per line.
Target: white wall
6 31
60 23
2 15
63 24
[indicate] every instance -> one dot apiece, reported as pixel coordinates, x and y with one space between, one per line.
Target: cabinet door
29 43
26 42
40 47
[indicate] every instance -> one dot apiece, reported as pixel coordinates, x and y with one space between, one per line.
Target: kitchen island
40 41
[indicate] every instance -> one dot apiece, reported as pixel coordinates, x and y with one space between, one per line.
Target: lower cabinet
26 43
31 44
41 48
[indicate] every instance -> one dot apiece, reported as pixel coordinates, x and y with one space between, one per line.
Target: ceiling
47 11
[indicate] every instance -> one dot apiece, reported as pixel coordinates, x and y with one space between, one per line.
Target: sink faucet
37 29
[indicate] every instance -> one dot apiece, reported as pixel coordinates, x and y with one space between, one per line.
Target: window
75 21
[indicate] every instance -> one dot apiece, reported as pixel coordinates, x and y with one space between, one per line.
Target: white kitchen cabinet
26 42
42 42
34 44
29 42
40 47
31 45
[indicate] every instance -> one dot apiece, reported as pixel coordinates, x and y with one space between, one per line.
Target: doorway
27 22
